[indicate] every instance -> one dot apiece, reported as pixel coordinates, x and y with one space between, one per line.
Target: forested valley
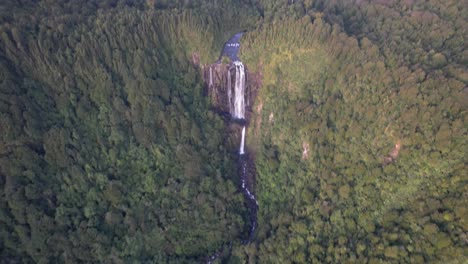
112 152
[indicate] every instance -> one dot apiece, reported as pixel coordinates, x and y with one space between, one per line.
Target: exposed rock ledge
219 77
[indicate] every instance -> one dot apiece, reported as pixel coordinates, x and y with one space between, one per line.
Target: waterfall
210 84
237 105
237 100
241 150
229 91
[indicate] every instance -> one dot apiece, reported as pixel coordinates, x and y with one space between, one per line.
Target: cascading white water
237 102
244 187
241 149
229 91
210 84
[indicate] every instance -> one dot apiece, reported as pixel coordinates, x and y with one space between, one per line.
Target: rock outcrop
220 81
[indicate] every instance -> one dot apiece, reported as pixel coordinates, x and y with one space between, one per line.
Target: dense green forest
110 152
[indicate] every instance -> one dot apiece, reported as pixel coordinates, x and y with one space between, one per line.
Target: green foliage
341 97
109 151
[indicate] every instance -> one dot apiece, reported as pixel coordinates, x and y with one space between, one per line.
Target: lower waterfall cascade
241 148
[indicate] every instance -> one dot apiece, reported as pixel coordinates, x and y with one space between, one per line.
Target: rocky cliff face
220 81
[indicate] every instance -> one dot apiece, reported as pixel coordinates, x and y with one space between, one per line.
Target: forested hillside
111 152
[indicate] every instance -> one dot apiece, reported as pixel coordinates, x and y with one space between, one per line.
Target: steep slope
357 158
109 152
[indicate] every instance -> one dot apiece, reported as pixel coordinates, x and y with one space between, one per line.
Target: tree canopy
110 151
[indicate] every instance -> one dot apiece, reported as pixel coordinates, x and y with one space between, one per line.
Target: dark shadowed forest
112 152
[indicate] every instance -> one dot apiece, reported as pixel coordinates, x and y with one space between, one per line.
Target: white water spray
241 150
229 91
210 84
236 98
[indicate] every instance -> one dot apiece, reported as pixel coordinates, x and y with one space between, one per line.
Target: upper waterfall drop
229 92
236 98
